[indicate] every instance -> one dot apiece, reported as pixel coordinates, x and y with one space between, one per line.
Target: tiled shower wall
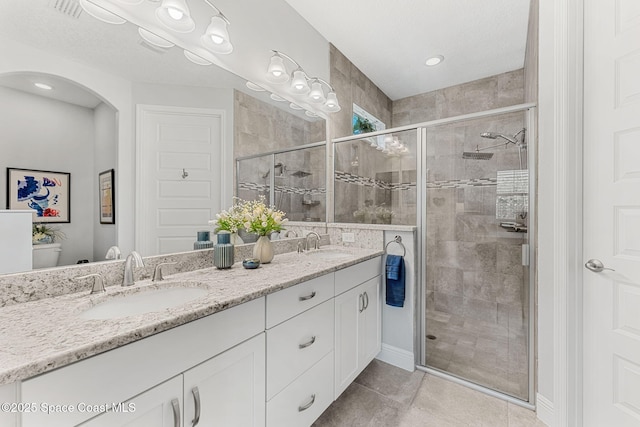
260 127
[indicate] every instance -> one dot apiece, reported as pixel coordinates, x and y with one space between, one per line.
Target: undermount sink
327 254
146 301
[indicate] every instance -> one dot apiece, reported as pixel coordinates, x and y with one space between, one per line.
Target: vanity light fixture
299 83
277 72
165 23
295 106
216 38
434 60
303 88
43 86
175 15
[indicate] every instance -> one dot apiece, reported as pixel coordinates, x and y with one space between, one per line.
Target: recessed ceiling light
434 60
43 86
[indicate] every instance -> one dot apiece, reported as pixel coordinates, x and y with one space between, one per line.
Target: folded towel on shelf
395 279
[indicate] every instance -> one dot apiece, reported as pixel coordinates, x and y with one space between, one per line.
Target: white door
612 213
179 176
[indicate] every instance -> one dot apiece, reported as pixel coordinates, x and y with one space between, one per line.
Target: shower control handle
596 266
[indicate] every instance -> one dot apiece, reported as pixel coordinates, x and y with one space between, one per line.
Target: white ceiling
389 40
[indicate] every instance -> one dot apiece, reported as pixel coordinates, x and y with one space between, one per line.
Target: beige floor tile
415 417
360 406
394 383
444 398
522 417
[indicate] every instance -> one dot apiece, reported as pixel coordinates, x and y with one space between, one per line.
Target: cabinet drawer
297 344
302 402
119 374
351 277
285 304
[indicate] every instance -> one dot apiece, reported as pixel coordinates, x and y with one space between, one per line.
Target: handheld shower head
492 135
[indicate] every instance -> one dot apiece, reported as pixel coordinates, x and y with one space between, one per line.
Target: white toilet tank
46 255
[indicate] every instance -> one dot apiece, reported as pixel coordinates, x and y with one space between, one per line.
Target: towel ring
397 240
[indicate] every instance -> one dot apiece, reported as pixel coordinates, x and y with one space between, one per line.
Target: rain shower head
476 155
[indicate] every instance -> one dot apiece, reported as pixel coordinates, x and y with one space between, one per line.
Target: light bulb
299 83
216 37
175 13
277 73
316 93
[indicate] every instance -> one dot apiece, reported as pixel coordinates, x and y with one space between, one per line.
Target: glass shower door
477 288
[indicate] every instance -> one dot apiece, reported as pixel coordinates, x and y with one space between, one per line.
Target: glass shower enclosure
292 180
477 222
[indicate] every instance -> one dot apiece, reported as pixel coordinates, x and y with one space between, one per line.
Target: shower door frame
529 109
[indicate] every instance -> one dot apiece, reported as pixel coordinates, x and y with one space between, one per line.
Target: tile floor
490 354
386 396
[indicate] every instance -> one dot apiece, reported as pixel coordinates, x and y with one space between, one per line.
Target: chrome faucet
157 272
306 240
290 231
133 260
98 282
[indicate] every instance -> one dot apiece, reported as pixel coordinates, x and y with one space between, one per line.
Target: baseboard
397 357
544 409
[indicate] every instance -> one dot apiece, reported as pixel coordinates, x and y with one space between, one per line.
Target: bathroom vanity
274 346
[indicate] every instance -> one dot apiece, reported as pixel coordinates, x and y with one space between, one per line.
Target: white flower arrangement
254 216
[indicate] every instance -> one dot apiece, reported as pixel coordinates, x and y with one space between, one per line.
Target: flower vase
263 250
223 251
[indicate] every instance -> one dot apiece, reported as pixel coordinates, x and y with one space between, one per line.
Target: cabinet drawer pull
308 343
307 297
308 405
196 401
175 403
360 303
366 300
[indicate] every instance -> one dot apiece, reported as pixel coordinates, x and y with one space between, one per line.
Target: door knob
596 266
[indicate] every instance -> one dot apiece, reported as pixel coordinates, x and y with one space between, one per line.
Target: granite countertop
39 336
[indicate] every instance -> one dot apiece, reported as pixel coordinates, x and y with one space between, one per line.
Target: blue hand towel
394 273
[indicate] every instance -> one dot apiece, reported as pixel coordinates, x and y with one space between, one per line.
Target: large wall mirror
104 76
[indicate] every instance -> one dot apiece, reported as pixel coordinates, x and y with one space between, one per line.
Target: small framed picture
46 193
107 197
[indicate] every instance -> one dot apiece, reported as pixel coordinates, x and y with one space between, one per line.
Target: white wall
398 323
39 133
114 90
104 119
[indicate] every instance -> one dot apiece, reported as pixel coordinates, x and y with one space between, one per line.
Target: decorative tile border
365 181
281 189
462 183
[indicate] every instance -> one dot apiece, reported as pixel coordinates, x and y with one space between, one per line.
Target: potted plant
42 234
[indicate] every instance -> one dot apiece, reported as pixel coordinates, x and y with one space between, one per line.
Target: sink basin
143 302
327 254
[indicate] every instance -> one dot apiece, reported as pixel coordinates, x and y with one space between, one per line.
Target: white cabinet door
347 309
371 325
228 390
358 331
159 407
